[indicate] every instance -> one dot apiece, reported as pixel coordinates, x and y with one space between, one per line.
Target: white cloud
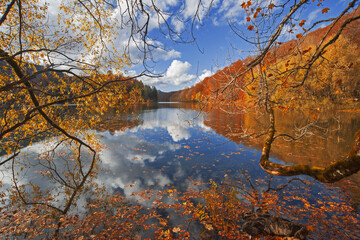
216 22
231 9
119 42
177 69
162 54
205 73
163 4
191 6
176 74
313 15
178 24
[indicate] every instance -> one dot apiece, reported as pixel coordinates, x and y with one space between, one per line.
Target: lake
170 142
173 145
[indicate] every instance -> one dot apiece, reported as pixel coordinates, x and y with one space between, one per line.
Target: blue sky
216 44
183 65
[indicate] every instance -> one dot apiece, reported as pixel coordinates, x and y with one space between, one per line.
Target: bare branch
7 10
10 158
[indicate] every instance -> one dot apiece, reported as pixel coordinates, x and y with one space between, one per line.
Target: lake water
168 144
171 145
168 147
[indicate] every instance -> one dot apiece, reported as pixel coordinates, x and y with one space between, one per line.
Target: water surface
173 145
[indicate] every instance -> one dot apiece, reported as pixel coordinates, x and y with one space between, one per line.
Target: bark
333 173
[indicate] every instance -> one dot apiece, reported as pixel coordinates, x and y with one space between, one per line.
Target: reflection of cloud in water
176 121
178 133
131 159
30 171
128 158
126 161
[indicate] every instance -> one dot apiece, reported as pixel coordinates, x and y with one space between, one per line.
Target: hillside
341 65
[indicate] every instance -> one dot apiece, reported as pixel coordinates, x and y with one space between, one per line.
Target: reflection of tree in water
50 179
329 139
117 124
219 210
291 208
240 207
274 79
229 209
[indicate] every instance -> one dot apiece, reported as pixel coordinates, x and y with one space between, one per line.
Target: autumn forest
267 147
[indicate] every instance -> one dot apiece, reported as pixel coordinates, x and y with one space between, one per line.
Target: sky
177 64
217 46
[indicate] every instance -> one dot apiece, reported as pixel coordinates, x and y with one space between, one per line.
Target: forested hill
339 67
46 78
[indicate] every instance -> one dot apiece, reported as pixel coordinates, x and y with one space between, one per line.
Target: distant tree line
148 93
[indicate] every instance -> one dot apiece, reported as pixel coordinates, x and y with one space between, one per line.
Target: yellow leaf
209 227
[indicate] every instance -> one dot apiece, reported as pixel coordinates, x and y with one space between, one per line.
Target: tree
280 77
310 70
49 63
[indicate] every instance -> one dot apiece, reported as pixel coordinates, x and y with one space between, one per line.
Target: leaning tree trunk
334 172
